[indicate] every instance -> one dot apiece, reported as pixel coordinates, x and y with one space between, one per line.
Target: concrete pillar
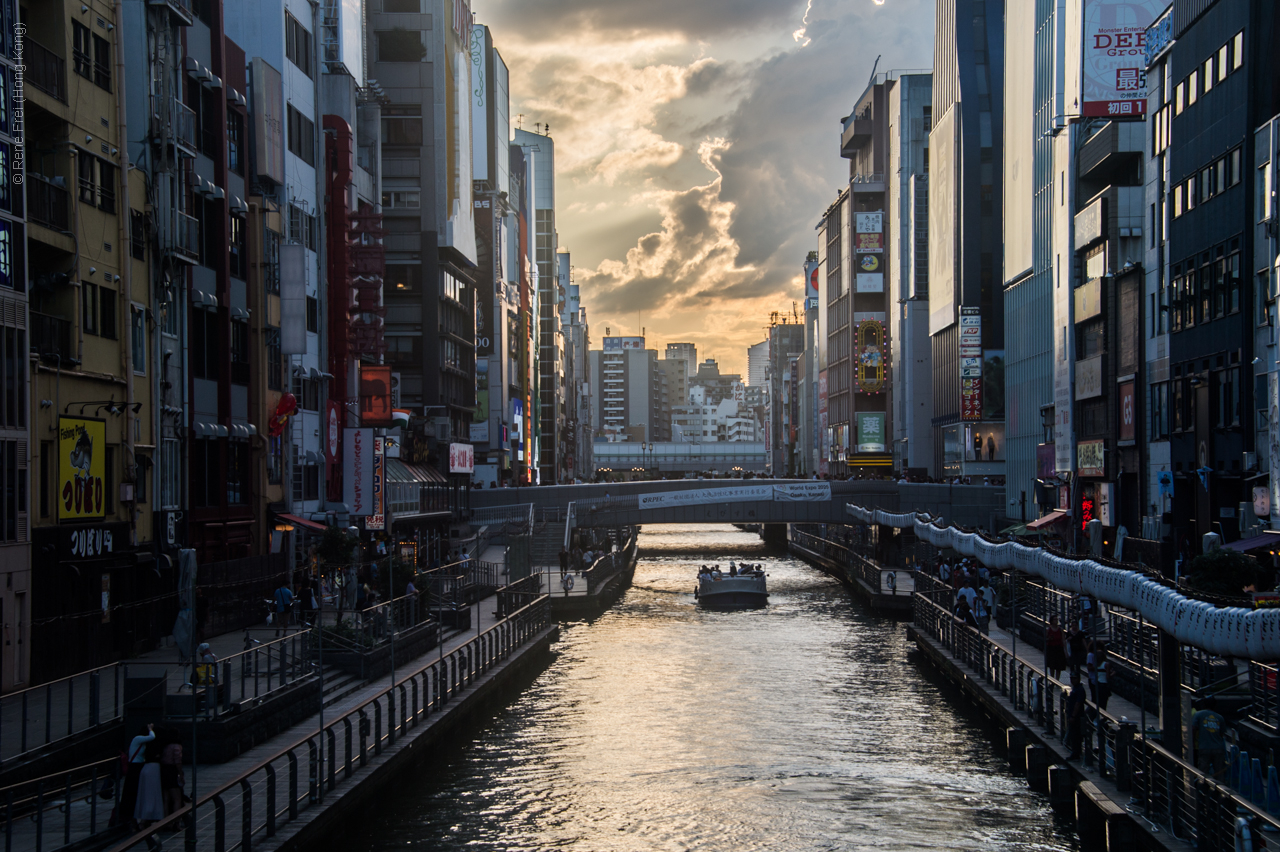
1016 741
1170 668
1062 789
1037 759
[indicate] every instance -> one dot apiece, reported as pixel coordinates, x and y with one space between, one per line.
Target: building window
237 473
239 250
13 354
170 473
102 62
401 198
1180 98
1224 64
235 142
302 136
402 280
402 125
275 363
81 50
1208 74
302 227
89 307
204 464
137 234
138 339
1193 86
274 459
313 314
297 44
97 182
239 352
1159 408
203 348
13 491
140 471
406 351
400 45
412 7
1237 51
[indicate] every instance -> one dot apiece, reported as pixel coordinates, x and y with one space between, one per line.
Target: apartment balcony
47 203
856 133
46 70
185 240
180 10
51 337
181 132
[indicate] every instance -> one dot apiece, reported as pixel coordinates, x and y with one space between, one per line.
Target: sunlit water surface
663 727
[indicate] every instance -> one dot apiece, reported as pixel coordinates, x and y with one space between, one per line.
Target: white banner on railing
701 496
805 492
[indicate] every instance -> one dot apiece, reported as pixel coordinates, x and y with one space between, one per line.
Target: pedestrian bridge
742 501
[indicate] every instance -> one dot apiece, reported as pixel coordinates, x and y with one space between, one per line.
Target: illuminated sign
375 395
869 350
377 519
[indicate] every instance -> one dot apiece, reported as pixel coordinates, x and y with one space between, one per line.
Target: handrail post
271 800
293 784
246 815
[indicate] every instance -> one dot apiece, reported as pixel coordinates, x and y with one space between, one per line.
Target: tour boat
725 590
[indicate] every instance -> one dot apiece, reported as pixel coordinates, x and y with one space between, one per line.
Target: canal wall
344 806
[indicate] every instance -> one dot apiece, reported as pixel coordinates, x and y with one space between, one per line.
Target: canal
662 727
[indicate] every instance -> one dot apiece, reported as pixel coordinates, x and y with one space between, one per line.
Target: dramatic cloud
697 145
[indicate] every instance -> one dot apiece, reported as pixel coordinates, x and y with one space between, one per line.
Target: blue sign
1159 35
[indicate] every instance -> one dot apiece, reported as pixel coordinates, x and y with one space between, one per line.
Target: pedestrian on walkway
283 600
1075 716
150 805
564 561
1101 675
1055 648
173 781
1207 729
134 761
1078 646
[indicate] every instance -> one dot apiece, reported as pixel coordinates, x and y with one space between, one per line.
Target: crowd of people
713 572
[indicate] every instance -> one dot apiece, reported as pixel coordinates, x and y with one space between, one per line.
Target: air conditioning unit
438 428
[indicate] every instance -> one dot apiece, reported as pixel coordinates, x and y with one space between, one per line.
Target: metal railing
247 676
1169 791
40 716
46 70
51 337
520 513
1264 688
186 236
297 778
57 810
880 579
47 203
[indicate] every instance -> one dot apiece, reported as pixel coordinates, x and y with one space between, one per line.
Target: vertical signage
970 365
1128 413
375 395
377 519
82 447
1114 63
357 471
871 432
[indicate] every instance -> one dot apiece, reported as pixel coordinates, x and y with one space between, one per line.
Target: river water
659 726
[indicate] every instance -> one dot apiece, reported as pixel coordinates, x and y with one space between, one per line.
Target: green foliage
1227 573
335 547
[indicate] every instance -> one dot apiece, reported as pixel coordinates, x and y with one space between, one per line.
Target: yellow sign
82 449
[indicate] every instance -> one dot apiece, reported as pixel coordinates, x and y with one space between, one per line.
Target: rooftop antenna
520 121
874 65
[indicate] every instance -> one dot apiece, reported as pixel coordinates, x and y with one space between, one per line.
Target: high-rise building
577 375
550 340
966 305
628 406
688 352
758 364
786 343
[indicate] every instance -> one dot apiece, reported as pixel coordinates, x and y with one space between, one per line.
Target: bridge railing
297 778
1170 791
40 716
881 579
594 505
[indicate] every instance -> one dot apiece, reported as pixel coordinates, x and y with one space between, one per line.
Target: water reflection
664 727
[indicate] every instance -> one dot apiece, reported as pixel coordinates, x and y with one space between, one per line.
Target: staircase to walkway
545 549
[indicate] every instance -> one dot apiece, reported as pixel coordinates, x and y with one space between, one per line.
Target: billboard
82 450
811 268
1113 60
1089 458
1019 138
869 243
993 384
617 344
869 349
375 395
943 221
1128 413
870 223
268 120
462 458
871 432
357 471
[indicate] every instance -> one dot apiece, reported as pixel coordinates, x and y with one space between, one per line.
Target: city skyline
695 146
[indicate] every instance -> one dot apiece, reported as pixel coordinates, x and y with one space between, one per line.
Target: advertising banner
1089 378
970 364
702 496
82 449
807 492
870 432
462 458
1090 458
377 519
871 262
480 417
1113 66
824 454
357 471
375 395
869 349
1128 412
869 223
617 344
811 271
869 243
870 282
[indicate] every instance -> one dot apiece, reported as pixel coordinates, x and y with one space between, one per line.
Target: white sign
736 494
869 223
808 492
357 472
462 458
870 282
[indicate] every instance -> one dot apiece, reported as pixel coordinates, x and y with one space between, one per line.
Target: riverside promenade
283 792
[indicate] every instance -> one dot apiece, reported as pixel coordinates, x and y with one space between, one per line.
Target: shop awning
1048 520
302 522
1269 539
398 471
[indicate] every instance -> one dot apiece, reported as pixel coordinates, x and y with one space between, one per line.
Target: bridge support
774 535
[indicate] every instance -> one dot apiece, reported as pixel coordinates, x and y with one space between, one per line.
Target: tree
1228 573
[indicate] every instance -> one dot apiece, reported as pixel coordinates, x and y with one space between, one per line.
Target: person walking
1101 675
1075 716
1207 729
134 759
150 804
1055 648
283 601
564 562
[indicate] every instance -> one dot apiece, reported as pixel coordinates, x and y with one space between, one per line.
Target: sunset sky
697 145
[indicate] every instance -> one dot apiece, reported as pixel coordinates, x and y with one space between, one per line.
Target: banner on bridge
798 493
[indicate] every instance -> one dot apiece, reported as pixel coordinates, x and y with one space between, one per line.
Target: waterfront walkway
52 824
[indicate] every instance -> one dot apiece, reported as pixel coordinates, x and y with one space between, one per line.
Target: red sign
1128 413
375 395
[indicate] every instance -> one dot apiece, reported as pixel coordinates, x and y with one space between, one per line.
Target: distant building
628 405
758 364
687 352
701 422
716 385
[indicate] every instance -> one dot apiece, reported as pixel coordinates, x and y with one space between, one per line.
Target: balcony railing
181 9
183 130
47 203
186 238
51 337
46 70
